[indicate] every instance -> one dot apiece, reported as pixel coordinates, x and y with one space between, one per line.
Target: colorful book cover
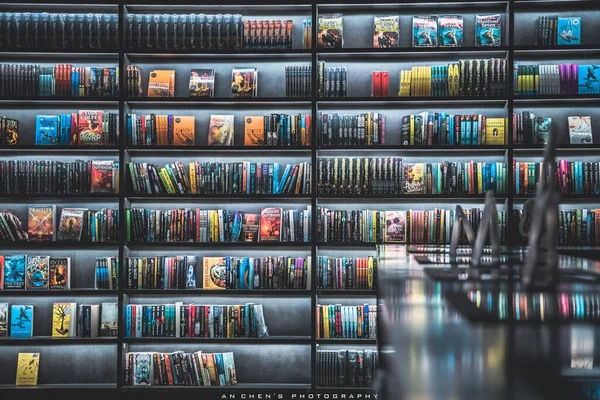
424 31
270 224
3 319
244 82
450 30
414 178
90 127
21 321
569 31
541 128
386 31
202 83
36 275
229 364
142 369
40 222
161 83
330 31
220 369
245 282
14 271
254 131
494 131
46 130
190 267
220 131
250 224
488 30
395 226
59 273
11 131
588 82
71 224
28 365
580 130
109 325
62 313
184 130
214 271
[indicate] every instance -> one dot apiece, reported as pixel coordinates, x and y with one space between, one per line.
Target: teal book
21 321
588 82
46 130
14 271
220 369
569 31
244 273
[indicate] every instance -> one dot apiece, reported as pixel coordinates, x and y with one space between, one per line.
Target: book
3 319
254 131
346 368
424 31
202 83
580 130
104 177
36 272
142 369
90 127
46 130
161 83
14 271
184 130
495 131
330 31
109 319
40 222
386 31
244 82
220 131
450 30
568 31
414 176
229 366
28 365
250 227
9 131
395 227
214 272
59 272
488 30
298 80
540 130
71 224
21 321
64 319
270 224
588 82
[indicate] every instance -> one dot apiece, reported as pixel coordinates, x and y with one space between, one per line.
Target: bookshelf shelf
219 150
279 245
89 197
430 51
58 293
347 292
347 341
58 150
217 197
59 52
168 101
47 100
410 100
25 245
59 387
49 340
239 386
367 197
224 292
412 149
267 340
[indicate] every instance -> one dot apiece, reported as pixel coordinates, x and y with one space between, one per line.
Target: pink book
574 78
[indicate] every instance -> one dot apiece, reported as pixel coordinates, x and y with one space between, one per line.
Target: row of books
332 81
347 273
298 80
572 177
161 130
427 31
83 128
273 224
407 226
346 368
242 177
179 369
30 272
552 30
348 322
47 177
481 77
68 320
277 130
162 272
62 80
556 79
576 227
195 320
106 273
9 131
351 129
69 31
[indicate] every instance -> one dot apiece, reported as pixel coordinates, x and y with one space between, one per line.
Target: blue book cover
14 271
21 321
365 330
588 82
128 321
468 137
244 273
569 31
46 130
220 368
475 135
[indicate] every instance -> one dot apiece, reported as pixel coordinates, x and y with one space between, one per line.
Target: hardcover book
580 130
569 31
202 83
270 224
220 131
488 30
244 82
386 31
103 177
142 369
63 319
254 131
414 178
90 127
40 222
36 274
3 319
494 131
14 271
28 365
59 273
450 30
330 31
540 130
184 130
250 224
161 83
71 224
21 321
108 319
46 130
588 82
214 271
424 31
395 226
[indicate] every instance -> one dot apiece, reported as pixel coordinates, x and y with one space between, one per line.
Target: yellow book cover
213 271
184 130
61 319
254 130
193 177
28 365
325 311
412 130
495 129
161 83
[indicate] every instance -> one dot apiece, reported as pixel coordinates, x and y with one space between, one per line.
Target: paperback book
202 83
161 83
425 31
28 365
244 82
221 130
488 30
386 32
36 273
40 222
580 130
330 31
450 30
21 321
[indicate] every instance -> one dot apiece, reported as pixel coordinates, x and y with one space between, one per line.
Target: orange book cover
184 130
270 224
254 131
161 83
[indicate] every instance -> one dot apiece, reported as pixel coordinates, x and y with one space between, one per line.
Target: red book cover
376 85
385 83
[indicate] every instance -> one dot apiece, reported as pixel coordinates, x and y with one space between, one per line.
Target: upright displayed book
214 273
109 324
580 130
46 130
588 79
220 130
244 82
161 83
184 130
90 127
424 31
59 272
330 31
36 273
28 365
71 224
41 222
64 319
450 30
202 83
386 31
14 271
21 321
488 30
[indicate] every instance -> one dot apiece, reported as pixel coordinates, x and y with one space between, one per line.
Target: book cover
28 365
569 31
270 224
424 31
190 282
202 83
488 30
103 176
142 369
14 271
220 131
184 130
71 224
541 128
40 222
214 271
21 321
244 82
494 131
414 178
62 313
230 375
386 32
109 319
3 319
330 31
36 272
588 79
250 224
59 273
254 130
580 130
395 226
450 30
161 83
46 130
89 127
11 131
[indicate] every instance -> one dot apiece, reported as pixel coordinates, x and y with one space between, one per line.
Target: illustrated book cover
450 30
244 82
59 273
40 222
202 83
395 226
330 31
63 319
36 273
270 224
21 321
414 178
14 271
254 130
580 130
220 131
161 83
386 31
90 127
71 224
250 224
488 30
109 319
425 31
28 365
184 130
214 272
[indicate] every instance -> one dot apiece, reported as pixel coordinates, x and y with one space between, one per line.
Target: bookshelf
293 344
